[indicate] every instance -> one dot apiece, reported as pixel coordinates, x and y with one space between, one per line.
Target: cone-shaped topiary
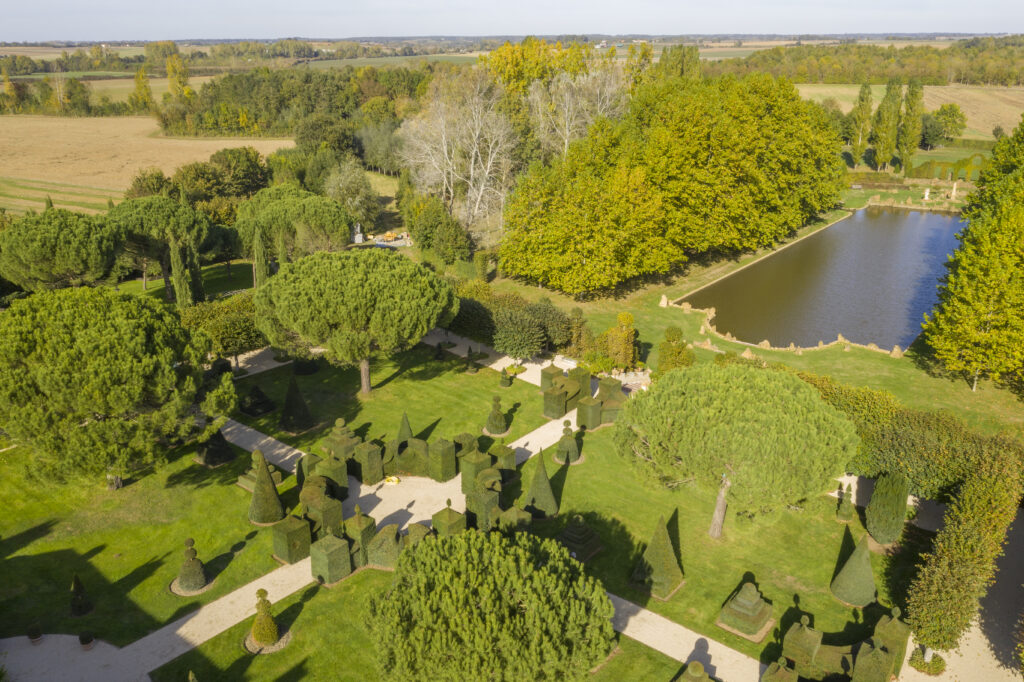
404 431
845 511
80 604
886 513
295 416
540 500
264 629
266 505
658 567
192 576
855 583
496 424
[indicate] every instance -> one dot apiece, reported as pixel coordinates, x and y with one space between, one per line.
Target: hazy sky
37 20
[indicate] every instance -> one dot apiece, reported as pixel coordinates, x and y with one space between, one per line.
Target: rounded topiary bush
264 629
489 606
934 667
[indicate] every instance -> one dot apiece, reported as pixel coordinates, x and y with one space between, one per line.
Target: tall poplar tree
886 125
141 99
860 124
909 136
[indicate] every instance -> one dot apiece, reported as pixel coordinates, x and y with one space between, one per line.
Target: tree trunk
165 272
928 653
114 482
718 520
364 376
974 385
227 264
145 273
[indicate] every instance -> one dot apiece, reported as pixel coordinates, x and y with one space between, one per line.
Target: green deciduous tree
860 124
353 304
909 136
672 352
243 170
230 324
532 615
693 166
886 513
952 118
58 248
620 342
885 126
141 98
348 185
978 326
767 433
99 382
943 599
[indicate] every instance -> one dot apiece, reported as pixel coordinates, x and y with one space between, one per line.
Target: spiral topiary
192 576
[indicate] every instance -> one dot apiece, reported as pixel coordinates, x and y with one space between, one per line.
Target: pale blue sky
37 20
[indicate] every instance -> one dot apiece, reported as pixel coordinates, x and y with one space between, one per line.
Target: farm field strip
19 195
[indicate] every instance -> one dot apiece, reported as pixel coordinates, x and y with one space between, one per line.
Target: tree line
976 61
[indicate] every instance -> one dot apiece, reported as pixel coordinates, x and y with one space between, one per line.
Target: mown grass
440 398
125 545
792 554
217 280
19 195
389 219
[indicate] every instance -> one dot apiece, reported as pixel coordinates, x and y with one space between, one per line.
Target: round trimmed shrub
489 606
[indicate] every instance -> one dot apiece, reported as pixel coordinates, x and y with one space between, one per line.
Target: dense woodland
977 61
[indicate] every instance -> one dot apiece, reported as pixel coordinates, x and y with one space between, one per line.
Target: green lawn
791 554
216 281
126 546
330 641
439 397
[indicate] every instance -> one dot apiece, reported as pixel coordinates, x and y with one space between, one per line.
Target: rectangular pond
871 278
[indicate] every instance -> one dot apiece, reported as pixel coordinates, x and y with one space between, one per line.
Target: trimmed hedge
886 513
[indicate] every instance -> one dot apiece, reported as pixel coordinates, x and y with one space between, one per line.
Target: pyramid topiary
266 505
855 583
192 576
844 513
886 513
540 499
264 629
404 430
496 423
295 416
658 567
80 604
568 449
256 403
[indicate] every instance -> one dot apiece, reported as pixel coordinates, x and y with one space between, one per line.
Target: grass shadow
773 649
11 544
217 564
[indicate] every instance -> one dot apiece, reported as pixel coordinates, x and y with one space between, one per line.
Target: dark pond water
870 277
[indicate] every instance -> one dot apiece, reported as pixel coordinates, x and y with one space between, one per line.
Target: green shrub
934 667
266 505
264 629
192 575
944 597
295 416
845 512
658 568
855 583
672 352
540 499
886 513
497 425
445 619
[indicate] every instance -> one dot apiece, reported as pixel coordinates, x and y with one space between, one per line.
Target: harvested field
102 152
985 106
118 89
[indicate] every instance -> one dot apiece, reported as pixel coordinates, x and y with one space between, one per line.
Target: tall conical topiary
845 511
266 505
295 416
264 629
192 576
886 513
496 423
80 604
658 567
404 431
540 499
855 583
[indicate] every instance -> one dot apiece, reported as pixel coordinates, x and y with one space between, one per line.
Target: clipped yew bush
486 606
886 513
264 629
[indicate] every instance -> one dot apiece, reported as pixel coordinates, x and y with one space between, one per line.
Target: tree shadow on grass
11 544
510 413
902 566
558 480
619 553
195 475
216 565
773 649
846 548
425 433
